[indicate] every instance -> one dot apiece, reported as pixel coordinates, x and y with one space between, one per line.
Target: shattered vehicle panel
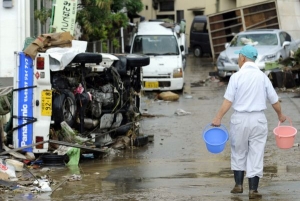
95 94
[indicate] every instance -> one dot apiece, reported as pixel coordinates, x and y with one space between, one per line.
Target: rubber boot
253 185
239 179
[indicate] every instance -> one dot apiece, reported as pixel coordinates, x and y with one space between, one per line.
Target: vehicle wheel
198 52
140 141
121 65
87 57
54 160
134 60
64 107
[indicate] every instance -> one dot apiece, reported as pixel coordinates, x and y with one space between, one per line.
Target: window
179 15
7 4
284 37
171 17
155 45
198 27
257 39
166 6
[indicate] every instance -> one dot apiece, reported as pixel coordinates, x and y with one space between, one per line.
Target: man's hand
216 122
282 118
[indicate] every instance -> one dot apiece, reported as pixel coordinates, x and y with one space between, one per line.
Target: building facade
16 24
14 28
188 9
17 19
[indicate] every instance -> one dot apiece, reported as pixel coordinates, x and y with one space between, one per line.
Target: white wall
14 28
289 16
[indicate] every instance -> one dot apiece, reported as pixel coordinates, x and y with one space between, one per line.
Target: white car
271 45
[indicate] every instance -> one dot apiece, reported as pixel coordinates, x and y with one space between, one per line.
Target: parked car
271 45
199 37
166 49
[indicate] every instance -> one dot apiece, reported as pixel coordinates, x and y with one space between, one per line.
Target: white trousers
248 135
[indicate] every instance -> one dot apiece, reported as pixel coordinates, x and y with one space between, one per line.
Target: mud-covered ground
177 165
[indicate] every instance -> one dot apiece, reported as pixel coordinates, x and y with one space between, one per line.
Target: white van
165 47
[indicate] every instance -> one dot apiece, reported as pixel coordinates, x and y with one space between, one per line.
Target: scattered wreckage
65 96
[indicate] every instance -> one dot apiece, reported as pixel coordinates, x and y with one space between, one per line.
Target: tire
121 65
54 160
87 58
198 51
64 108
134 60
140 141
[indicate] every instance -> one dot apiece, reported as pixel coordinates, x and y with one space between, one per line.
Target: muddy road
177 165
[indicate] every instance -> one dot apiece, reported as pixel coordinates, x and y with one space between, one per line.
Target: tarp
61 57
46 41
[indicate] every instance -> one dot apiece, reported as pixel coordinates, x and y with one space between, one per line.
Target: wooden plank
230 19
269 25
236 25
221 44
21 148
259 12
13 153
254 25
223 36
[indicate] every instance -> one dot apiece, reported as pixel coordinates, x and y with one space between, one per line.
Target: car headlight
270 57
223 59
177 72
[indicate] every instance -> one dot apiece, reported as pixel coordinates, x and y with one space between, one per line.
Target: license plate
151 84
46 103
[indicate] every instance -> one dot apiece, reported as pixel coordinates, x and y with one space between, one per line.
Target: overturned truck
97 95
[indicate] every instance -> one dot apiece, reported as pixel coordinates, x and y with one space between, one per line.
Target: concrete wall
247 2
14 28
225 5
289 16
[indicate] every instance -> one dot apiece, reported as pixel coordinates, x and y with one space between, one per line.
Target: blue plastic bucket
215 138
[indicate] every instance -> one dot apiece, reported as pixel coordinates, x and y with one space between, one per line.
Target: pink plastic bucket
285 135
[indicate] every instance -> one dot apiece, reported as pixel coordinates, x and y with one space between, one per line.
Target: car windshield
258 39
155 45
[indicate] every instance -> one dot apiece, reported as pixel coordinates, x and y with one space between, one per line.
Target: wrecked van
97 95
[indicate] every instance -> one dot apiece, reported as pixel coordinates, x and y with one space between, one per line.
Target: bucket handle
222 125
289 121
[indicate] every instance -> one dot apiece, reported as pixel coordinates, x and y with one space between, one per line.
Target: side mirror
286 43
226 45
127 48
181 48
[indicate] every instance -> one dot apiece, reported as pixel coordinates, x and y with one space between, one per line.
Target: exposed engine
97 97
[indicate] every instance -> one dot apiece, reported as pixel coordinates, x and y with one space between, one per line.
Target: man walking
247 93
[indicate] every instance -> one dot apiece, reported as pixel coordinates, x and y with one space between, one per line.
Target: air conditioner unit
7 4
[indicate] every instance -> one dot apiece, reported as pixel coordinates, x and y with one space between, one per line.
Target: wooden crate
222 25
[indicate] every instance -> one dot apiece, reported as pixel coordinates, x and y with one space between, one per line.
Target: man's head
247 53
